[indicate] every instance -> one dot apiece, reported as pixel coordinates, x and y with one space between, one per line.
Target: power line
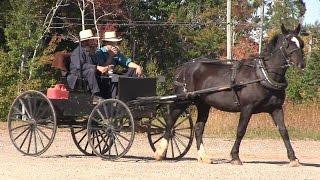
134 23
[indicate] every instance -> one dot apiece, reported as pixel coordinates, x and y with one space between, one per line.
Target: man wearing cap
81 64
109 56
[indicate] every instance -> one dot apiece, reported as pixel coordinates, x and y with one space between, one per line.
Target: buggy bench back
129 88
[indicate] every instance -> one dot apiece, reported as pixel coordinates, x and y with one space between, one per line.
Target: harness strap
267 81
235 67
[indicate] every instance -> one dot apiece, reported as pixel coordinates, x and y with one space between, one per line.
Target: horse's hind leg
203 112
277 116
245 116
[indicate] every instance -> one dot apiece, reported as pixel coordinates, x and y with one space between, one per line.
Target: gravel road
263 159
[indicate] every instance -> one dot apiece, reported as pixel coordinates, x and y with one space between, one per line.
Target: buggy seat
61 61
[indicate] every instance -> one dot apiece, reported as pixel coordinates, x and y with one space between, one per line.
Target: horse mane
271 46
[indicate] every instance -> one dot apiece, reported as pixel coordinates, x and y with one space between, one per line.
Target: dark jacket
80 62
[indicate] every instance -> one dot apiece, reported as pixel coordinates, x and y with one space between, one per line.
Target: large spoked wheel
80 139
32 123
180 135
111 129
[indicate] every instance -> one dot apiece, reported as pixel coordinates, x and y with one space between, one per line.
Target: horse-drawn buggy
108 128
105 128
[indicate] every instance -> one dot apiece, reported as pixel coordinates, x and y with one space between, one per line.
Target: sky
313 11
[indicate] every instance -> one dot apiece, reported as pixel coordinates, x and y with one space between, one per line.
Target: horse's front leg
277 116
245 116
203 113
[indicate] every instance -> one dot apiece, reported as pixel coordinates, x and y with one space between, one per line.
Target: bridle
287 55
263 71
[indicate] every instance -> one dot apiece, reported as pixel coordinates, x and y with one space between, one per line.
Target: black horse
257 85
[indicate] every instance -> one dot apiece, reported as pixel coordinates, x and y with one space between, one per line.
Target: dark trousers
91 77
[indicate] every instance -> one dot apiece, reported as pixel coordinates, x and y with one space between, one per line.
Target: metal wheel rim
175 141
33 122
111 139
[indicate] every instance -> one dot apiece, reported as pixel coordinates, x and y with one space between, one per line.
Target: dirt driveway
263 159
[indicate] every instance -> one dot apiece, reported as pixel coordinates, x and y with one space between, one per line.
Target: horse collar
267 81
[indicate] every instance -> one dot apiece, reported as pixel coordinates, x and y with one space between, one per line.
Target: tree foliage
159 34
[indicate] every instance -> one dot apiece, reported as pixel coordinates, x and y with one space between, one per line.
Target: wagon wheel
80 139
111 126
32 123
181 134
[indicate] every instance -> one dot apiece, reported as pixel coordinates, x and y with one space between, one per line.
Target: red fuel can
58 91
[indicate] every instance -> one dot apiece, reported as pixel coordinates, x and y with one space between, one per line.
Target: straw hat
111 36
86 35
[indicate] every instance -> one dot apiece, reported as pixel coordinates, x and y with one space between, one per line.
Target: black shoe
96 99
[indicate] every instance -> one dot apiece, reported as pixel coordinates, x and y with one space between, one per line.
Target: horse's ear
297 30
284 30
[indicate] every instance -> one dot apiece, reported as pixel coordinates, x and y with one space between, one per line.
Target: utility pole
261 28
229 32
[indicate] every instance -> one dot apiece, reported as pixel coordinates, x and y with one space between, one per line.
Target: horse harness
261 71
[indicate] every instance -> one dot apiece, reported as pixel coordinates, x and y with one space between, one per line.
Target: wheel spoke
115 146
40 138
30 139
176 144
122 136
106 112
100 114
82 138
18 110
117 139
85 148
30 108
43 126
104 149
18 127
25 138
113 109
157 133
25 108
48 119
22 133
180 129
162 123
183 135
43 133
95 135
34 106
46 109
82 129
184 119
35 142
181 142
96 120
99 142
157 126
38 110
157 139
172 151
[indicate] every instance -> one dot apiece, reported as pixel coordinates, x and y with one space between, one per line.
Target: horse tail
179 79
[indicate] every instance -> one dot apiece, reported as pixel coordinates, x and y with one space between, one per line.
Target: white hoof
294 163
161 151
158 156
236 162
205 160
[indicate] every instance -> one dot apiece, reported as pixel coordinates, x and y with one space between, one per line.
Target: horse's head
292 47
